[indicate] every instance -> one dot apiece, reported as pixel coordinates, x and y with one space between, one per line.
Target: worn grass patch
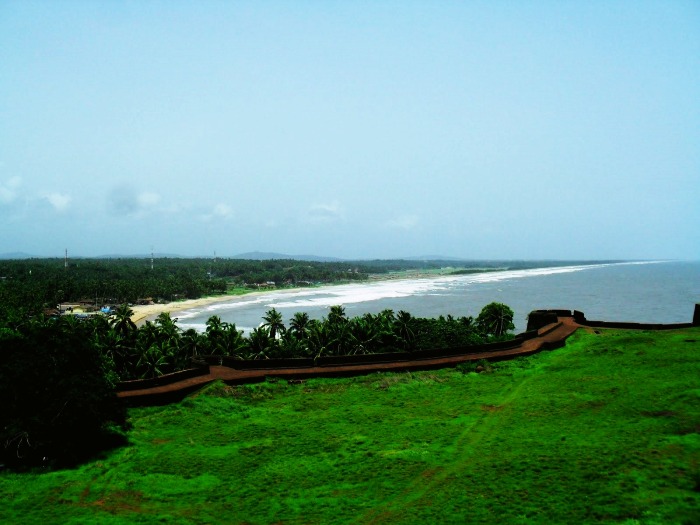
603 430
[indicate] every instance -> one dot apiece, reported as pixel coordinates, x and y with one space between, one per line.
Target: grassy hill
606 430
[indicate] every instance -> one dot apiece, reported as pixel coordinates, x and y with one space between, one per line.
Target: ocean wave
357 293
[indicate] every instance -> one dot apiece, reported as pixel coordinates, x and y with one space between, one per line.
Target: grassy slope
606 429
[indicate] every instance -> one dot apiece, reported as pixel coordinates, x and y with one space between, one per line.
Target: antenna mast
65 259
151 257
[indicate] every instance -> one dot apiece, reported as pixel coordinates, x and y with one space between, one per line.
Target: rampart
556 327
580 319
196 370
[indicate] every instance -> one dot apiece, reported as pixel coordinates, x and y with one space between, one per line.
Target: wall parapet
166 379
550 336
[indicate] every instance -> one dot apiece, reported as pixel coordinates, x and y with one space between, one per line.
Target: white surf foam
356 293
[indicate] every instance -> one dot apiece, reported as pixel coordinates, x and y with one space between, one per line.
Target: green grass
603 430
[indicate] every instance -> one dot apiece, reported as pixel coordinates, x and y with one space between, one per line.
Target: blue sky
529 130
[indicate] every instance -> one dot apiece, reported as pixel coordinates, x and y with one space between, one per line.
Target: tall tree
495 319
299 324
259 343
122 321
337 314
404 330
273 322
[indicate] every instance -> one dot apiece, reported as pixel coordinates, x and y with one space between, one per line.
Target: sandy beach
143 313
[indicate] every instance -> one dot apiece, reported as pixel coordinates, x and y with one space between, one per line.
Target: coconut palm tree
259 342
299 323
213 324
122 322
192 342
153 361
167 326
233 341
291 345
318 338
215 331
365 335
337 314
404 330
388 314
273 322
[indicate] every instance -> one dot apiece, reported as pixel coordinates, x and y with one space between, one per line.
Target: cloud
8 190
59 201
325 213
223 210
220 211
147 199
124 200
405 222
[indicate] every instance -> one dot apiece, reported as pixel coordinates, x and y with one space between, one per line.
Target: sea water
659 292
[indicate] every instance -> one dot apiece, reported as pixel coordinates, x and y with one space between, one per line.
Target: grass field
606 430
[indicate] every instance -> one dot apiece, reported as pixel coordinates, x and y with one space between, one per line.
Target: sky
364 129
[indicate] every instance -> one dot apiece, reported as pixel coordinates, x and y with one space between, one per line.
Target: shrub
58 400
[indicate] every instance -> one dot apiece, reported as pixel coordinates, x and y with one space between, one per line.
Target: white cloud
405 222
123 200
220 211
59 201
148 199
8 190
325 213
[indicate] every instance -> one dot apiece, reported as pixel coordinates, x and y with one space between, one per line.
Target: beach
143 313
148 312
651 292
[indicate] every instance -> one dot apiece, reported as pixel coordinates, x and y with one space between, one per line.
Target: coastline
143 313
148 312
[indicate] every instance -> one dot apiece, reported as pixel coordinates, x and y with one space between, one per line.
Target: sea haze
636 291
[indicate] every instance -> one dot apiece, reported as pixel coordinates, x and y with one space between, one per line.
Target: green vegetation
58 401
605 430
496 319
160 347
58 374
35 285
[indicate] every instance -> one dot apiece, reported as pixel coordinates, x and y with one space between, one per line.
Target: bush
59 405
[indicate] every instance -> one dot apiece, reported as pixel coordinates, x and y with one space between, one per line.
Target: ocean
659 292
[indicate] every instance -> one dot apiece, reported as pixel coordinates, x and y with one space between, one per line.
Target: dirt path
552 336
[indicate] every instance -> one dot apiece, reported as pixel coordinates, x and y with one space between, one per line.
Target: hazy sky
351 129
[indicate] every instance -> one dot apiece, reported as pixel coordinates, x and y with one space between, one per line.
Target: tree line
34 285
30 286
160 346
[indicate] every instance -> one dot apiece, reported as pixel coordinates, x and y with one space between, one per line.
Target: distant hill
16 255
433 258
266 256
140 256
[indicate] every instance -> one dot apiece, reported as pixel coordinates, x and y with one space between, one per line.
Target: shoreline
143 313
148 312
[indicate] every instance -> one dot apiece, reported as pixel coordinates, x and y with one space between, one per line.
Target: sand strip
142 313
